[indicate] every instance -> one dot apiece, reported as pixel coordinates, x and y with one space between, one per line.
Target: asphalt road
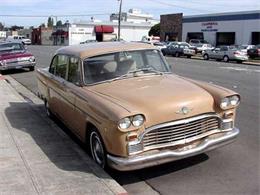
233 169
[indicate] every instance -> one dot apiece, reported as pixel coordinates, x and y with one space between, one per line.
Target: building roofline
228 16
223 14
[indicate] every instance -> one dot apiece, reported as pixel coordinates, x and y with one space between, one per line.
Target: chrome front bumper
17 66
167 155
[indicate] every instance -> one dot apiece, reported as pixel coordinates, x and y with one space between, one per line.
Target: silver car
225 53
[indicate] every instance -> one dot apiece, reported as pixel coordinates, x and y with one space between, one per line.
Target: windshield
11 47
121 65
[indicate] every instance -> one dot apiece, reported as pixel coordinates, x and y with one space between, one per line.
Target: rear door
73 85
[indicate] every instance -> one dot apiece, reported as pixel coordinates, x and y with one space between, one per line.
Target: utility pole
119 20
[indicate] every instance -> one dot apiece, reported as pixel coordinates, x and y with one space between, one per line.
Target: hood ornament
184 110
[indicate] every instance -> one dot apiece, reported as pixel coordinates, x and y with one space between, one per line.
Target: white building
2 34
224 28
134 16
134 26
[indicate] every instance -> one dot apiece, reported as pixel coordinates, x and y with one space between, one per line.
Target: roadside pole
119 20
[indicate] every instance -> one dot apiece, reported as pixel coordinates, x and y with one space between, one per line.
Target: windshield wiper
146 69
135 71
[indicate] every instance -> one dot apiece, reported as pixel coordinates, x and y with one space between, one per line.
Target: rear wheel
188 56
163 52
47 109
239 61
97 149
177 54
225 58
205 56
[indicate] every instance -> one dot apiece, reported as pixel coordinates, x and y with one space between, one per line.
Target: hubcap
97 149
225 58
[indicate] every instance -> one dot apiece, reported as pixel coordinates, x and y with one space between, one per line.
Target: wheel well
89 127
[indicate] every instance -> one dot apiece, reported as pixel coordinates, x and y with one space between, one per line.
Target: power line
52 15
176 6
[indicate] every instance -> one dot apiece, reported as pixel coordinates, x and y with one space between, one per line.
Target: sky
101 9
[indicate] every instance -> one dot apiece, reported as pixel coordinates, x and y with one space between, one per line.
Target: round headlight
32 59
138 120
124 123
234 100
224 103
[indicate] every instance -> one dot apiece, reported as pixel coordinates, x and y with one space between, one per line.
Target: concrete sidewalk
36 156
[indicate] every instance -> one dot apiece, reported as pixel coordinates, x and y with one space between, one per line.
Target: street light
119 19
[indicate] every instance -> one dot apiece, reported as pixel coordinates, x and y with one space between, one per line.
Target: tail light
236 53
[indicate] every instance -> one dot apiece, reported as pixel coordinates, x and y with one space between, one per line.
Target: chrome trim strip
163 156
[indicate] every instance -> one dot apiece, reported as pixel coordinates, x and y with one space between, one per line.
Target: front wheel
31 68
225 58
177 54
97 149
205 56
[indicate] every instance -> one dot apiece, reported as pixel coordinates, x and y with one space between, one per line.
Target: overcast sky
101 9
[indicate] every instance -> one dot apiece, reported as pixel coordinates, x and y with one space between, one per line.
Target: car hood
11 55
159 98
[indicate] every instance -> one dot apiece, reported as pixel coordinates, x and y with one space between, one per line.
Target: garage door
255 38
194 35
226 38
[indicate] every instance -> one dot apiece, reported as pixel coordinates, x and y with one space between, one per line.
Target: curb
243 63
32 99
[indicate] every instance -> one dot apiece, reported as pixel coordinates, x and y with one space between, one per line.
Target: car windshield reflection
121 65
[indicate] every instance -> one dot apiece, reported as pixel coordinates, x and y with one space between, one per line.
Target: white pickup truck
18 38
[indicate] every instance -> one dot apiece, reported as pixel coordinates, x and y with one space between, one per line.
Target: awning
104 29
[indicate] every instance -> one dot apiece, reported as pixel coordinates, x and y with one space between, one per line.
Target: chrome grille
180 132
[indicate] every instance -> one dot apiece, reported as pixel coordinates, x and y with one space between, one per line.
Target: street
233 169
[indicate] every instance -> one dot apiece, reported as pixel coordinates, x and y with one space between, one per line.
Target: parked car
225 53
245 48
203 47
178 49
123 101
14 56
196 42
160 45
17 38
88 41
254 52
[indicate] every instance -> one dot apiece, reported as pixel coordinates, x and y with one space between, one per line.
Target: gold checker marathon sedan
124 102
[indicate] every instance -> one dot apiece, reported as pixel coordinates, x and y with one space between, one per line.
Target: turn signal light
131 137
228 115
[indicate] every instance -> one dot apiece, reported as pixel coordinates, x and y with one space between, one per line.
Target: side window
74 71
52 68
61 66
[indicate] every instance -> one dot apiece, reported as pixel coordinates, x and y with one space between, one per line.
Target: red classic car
14 56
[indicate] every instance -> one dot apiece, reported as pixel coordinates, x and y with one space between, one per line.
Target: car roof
95 49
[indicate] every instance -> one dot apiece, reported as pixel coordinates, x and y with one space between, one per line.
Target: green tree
155 30
59 23
42 25
50 22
